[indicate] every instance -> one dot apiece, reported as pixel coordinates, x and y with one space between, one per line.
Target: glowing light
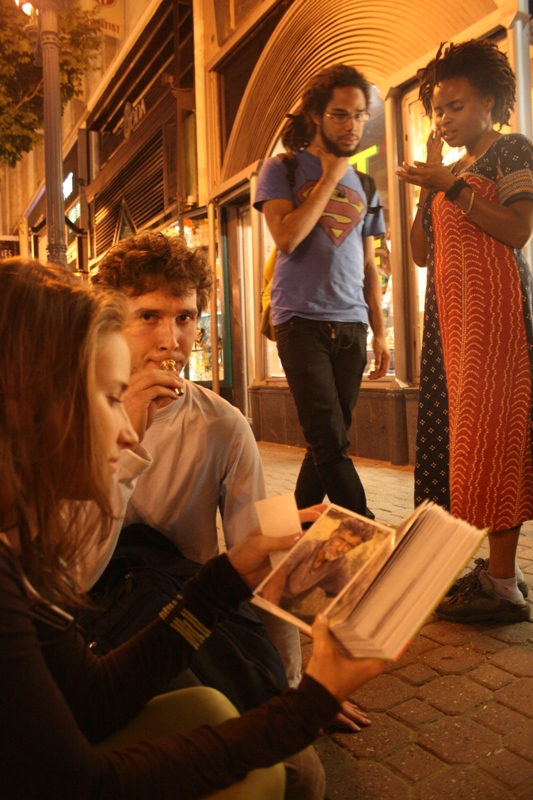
68 185
26 7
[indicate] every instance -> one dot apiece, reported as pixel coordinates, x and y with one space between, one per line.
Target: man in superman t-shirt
326 288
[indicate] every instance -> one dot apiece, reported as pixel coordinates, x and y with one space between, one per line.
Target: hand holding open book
375 584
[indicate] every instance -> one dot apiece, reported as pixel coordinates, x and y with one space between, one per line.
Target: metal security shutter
141 185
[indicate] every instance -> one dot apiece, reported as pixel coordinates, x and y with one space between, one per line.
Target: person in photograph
474 436
317 563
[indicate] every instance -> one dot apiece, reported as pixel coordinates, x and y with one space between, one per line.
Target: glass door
248 301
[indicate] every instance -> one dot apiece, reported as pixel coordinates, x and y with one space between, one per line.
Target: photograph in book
376 584
339 547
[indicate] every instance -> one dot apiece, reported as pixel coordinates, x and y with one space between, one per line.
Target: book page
278 516
411 583
340 547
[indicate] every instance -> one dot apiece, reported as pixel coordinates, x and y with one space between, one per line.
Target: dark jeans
324 364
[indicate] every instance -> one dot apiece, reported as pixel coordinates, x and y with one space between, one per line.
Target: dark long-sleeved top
57 698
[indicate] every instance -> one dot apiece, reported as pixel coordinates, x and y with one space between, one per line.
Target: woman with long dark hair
75 725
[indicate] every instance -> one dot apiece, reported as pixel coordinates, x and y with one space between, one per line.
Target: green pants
184 710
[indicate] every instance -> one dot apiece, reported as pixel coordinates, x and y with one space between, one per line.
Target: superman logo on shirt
345 209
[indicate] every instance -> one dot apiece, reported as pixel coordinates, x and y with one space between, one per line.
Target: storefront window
372 159
74 215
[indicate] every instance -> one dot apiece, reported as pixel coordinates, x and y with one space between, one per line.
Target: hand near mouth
149 390
434 147
169 365
333 167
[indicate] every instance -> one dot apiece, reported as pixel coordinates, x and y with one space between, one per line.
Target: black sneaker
481 564
477 601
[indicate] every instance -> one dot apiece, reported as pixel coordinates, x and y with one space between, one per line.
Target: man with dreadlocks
326 287
474 424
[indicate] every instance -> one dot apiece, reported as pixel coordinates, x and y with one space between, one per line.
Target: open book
376 584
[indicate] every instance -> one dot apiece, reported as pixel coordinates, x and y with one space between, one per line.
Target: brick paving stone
348 779
415 713
518 660
416 673
519 633
454 694
518 696
421 644
490 676
486 644
521 741
509 769
458 740
499 718
524 794
383 693
376 782
415 763
448 632
467 784
340 767
450 660
382 737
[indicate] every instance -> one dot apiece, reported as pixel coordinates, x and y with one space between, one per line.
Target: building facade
172 133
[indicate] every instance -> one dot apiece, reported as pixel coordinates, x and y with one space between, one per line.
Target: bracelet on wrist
455 189
470 205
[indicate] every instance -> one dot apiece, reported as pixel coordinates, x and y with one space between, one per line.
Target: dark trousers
324 364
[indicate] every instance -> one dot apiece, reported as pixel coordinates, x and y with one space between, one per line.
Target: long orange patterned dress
474 438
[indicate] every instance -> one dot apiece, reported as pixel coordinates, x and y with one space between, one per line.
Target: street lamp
43 33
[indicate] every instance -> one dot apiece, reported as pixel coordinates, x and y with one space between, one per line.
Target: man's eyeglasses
342 117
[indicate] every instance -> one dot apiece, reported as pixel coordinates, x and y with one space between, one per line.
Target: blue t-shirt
323 277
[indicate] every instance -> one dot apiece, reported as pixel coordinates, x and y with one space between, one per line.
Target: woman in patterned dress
474 437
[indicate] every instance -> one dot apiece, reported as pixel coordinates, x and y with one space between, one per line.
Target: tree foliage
21 81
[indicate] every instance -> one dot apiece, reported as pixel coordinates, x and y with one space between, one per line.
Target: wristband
455 189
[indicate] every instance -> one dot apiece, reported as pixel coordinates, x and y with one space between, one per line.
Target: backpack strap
369 187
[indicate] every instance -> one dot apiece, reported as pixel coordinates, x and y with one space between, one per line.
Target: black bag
144 574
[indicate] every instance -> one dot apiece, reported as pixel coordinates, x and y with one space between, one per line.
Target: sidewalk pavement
453 718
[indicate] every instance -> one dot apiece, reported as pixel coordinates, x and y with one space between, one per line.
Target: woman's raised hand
434 147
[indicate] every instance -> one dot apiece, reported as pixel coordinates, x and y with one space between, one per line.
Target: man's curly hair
480 62
150 261
299 128
356 527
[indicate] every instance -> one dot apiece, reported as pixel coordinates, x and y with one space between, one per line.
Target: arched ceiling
379 37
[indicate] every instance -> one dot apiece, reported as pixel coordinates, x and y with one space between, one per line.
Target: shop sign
133 114
9 246
111 13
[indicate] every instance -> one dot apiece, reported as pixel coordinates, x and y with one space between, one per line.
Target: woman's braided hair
480 62
299 128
